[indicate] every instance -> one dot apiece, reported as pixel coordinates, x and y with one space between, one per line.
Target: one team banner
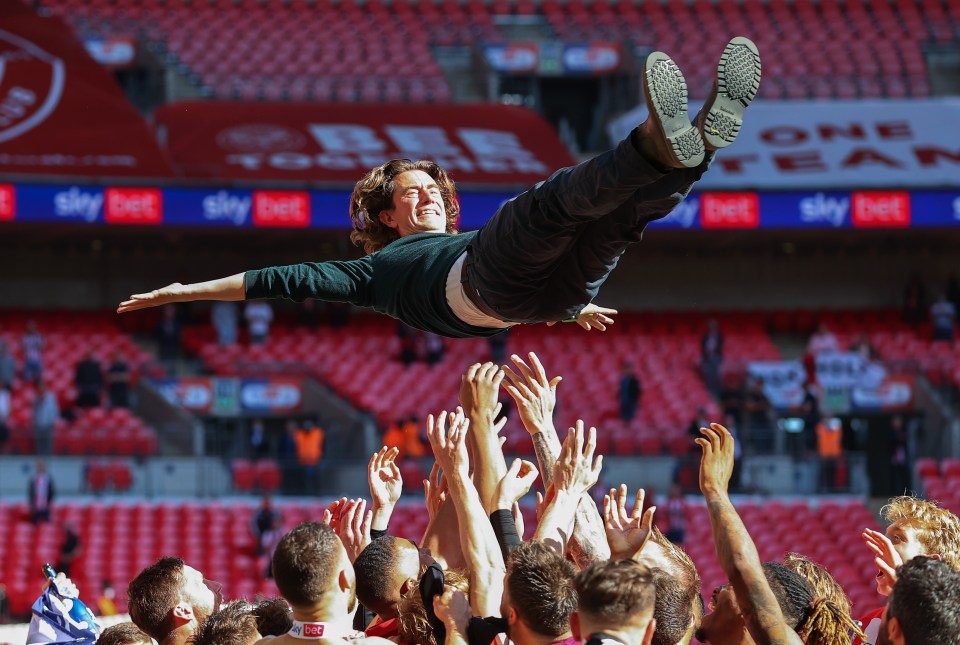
61 113
835 144
485 144
230 395
245 208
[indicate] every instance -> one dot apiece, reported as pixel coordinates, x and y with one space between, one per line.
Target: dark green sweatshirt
406 279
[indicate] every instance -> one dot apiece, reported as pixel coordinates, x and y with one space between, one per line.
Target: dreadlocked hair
815 620
823 584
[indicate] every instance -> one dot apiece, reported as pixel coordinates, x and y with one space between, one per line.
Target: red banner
476 144
60 112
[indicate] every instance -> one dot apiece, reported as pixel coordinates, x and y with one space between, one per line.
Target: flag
59 616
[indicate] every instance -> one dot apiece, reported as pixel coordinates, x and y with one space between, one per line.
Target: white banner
834 144
836 372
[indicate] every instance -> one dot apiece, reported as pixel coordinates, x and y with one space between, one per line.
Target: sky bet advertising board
151 206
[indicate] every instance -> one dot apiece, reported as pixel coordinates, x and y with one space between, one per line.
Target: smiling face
724 623
417 205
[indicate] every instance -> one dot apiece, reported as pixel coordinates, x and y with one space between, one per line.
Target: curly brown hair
938 530
374 194
414 627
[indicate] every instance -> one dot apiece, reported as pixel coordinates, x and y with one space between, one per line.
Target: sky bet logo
133 206
821 208
7 202
223 206
881 209
77 203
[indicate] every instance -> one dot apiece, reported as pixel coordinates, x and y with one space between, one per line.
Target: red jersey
871 627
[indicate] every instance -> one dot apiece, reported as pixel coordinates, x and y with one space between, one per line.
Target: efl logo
284 208
729 210
881 209
133 206
8 202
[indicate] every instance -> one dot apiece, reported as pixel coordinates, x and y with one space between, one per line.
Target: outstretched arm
536 397
229 288
735 548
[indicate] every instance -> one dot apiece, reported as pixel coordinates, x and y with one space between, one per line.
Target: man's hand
453 609
716 465
479 387
516 483
626 534
576 471
331 514
386 485
449 446
156 298
435 490
887 559
593 317
354 527
535 396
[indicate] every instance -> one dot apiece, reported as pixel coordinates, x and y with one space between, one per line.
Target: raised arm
536 398
735 548
386 485
229 288
480 549
479 388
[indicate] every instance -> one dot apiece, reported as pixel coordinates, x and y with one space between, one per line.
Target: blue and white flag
59 616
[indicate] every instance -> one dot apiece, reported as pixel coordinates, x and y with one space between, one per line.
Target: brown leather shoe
667 134
737 83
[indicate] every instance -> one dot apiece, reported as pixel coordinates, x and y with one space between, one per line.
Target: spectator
393 436
5 408
168 337
308 442
676 509
106 603
830 451
40 494
259 315
629 392
823 340
259 443
223 316
863 347
119 379
69 549
711 357
899 456
615 601
810 413
924 606
8 366
413 445
169 599
124 634
266 518
46 411
433 348
943 313
88 380
32 345
914 301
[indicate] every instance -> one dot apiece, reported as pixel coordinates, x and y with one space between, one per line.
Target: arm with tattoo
735 549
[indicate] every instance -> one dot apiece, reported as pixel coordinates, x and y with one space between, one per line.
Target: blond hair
938 530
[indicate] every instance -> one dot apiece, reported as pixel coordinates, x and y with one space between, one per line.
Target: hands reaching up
627 534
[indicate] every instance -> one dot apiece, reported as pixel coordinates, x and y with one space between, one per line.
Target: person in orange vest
308 442
412 443
830 450
394 437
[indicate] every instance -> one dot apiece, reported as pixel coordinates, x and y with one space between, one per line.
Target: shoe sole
738 80
666 91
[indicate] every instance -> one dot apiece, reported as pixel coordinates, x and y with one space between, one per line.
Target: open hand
576 471
156 298
449 446
479 388
534 394
354 528
383 475
434 490
716 465
593 317
626 534
887 559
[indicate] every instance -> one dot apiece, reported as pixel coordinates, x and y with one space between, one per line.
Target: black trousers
545 253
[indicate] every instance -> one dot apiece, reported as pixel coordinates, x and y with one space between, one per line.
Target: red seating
267 475
244 475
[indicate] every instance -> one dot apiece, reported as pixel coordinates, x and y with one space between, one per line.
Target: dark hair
673 608
273 616
926 601
305 561
374 194
540 582
153 594
373 568
817 621
614 590
123 634
234 624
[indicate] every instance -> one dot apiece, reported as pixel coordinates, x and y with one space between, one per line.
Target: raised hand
716 465
576 471
354 529
534 394
594 317
449 446
479 388
516 483
331 514
626 534
156 298
435 490
887 559
386 485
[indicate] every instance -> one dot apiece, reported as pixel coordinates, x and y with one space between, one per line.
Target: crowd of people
586 574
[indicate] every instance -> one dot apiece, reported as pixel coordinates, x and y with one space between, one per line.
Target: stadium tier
377 51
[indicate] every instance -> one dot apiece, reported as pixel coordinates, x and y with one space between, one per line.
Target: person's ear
386 217
182 613
648 634
894 633
343 581
407 585
575 626
934 556
512 616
